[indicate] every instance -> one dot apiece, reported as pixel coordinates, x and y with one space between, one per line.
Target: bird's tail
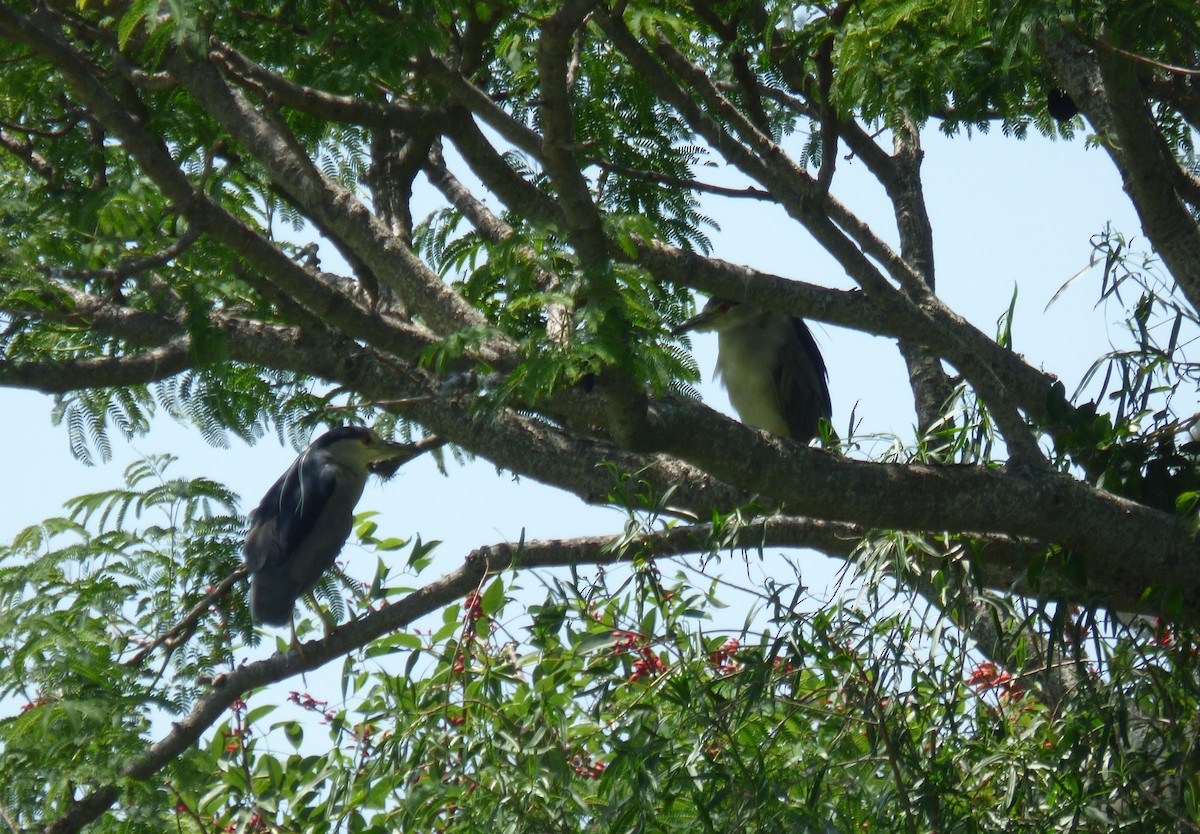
272 598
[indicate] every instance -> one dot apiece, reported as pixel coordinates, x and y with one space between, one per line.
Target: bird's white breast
747 377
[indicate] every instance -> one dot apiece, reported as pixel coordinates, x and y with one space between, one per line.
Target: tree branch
679 182
479 215
476 567
476 101
99 371
137 264
558 146
346 109
333 207
284 275
1105 86
23 150
495 230
497 175
1130 548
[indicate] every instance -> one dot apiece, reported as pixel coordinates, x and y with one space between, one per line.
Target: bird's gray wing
262 544
287 513
801 385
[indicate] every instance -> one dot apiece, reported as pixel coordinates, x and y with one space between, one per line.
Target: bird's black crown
342 433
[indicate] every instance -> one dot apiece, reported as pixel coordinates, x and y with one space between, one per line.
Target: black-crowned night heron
770 366
305 518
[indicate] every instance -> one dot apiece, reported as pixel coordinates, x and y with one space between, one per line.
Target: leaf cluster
81 596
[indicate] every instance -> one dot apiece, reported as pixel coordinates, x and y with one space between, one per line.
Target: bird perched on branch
769 364
299 528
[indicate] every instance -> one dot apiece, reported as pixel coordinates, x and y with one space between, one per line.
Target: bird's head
718 314
358 447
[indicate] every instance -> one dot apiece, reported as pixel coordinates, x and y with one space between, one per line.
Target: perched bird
770 366
1060 105
303 521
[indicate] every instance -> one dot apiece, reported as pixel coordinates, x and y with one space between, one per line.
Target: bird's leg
295 647
328 626
364 603
298 649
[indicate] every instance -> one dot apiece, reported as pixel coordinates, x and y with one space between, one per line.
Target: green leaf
133 16
493 597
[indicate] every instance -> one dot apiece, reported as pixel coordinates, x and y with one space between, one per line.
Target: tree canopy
208 212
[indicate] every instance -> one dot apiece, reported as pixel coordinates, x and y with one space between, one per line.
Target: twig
1148 61
680 182
8 820
187 625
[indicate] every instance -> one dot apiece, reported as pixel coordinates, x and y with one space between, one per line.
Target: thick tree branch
907 194
1105 86
138 368
396 159
476 101
930 385
493 170
624 397
323 105
558 147
272 345
283 274
336 209
1130 548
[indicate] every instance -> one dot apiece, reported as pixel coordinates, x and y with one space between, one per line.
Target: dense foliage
208 213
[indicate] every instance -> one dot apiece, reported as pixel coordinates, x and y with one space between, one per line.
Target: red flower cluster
1164 634
308 702
254 823
722 659
585 767
472 607
236 743
648 663
472 614
987 676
